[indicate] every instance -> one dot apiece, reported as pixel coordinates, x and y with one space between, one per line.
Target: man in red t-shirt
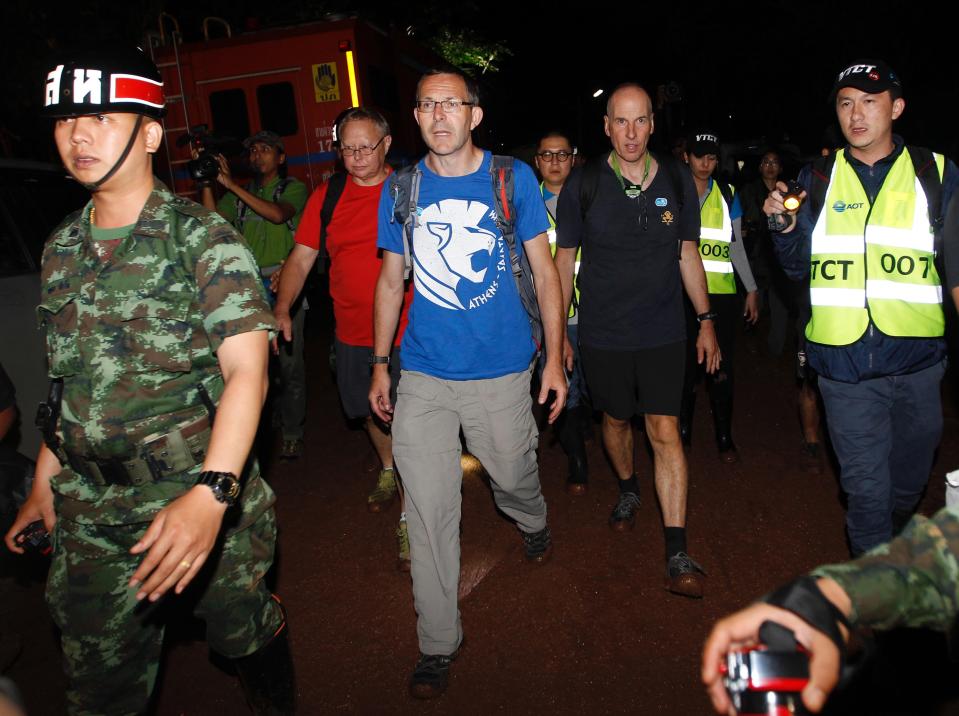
364 138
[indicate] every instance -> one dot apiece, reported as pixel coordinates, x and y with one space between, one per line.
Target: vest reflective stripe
717 267
913 293
848 297
715 235
874 262
551 235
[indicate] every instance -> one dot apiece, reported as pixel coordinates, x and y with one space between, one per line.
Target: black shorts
624 383
353 377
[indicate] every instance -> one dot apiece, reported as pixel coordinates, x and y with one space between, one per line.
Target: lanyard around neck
633 191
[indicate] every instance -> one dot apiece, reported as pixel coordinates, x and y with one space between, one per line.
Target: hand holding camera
767 678
208 163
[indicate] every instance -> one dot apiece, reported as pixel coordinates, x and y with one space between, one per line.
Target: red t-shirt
354 261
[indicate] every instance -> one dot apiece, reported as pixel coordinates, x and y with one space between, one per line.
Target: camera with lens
205 167
768 679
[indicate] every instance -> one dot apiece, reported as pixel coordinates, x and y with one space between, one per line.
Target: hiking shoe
431 676
403 563
384 493
810 458
292 449
683 576
539 546
624 514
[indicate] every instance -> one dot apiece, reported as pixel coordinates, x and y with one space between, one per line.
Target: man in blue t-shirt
467 356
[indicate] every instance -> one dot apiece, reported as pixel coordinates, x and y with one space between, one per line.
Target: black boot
686 410
573 442
267 677
723 418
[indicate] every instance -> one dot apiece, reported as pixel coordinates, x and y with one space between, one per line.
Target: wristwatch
379 360
708 316
225 486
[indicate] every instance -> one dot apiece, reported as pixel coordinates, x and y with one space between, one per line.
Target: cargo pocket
58 320
154 334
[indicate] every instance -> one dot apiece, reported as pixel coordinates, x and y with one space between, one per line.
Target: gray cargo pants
497 421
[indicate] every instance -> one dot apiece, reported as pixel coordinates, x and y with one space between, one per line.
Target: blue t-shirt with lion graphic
466 321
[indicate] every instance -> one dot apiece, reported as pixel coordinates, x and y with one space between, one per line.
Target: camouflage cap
265 136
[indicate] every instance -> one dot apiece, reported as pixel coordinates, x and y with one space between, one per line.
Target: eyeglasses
560 156
426 106
770 163
364 150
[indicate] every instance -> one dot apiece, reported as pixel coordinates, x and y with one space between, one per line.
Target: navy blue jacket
875 354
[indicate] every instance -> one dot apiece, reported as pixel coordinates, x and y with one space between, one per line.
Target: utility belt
158 458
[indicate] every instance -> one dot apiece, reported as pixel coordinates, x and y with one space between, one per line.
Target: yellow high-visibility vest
715 236
874 261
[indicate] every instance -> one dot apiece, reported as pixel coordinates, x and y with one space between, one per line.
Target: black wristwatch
225 486
708 316
379 360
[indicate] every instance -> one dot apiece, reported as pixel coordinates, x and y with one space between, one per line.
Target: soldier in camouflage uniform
156 322
912 581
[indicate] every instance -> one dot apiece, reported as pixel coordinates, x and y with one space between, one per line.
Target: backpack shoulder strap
929 168
819 174
241 209
501 169
334 190
727 193
405 190
589 184
278 192
673 169
502 176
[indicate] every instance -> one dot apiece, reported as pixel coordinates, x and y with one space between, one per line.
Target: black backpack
334 190
405 189
923 163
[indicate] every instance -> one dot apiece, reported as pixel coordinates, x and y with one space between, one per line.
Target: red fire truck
294 81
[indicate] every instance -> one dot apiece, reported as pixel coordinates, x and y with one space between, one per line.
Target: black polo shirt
630 286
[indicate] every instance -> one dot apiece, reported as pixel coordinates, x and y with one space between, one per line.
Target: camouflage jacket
913 581
132 337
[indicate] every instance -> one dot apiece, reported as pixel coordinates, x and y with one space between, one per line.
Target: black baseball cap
872 76
703 142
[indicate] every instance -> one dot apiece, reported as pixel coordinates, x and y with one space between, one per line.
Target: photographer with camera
266 212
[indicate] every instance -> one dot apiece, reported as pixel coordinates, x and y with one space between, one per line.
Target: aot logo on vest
841 206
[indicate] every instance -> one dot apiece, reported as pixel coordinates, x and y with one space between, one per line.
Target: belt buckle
155 466
114 471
